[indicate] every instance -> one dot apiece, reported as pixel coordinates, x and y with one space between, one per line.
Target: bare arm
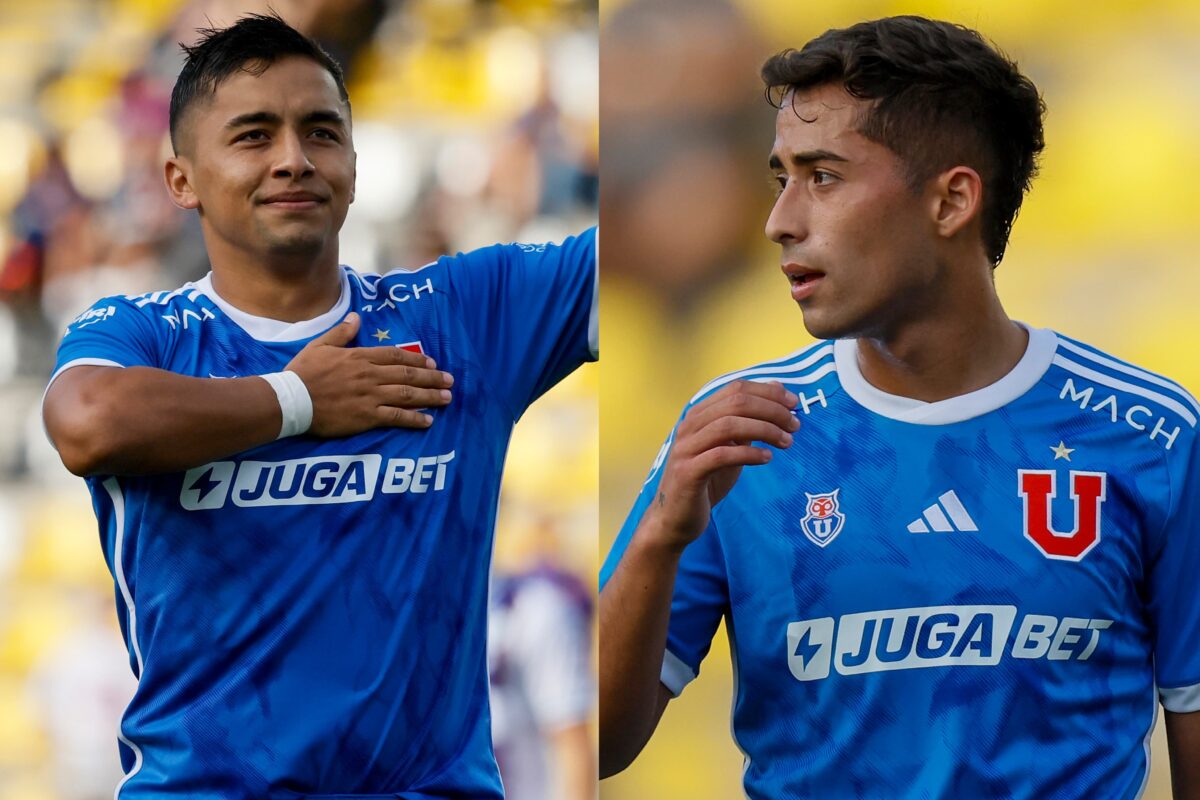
1183 745
712 444
634 609
139 420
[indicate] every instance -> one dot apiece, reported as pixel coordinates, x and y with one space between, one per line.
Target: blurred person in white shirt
542 686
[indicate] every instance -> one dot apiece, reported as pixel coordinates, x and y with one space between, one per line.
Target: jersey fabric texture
539 656
976 597
308 618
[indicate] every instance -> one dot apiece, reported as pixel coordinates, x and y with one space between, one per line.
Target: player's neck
944 356
288 290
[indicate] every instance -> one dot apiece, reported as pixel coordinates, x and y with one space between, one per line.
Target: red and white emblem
1037 490
412 347
823 521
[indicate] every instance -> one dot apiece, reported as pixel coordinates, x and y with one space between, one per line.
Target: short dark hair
942 96
251 44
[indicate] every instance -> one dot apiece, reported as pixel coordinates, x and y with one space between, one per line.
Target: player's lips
804 280
293 201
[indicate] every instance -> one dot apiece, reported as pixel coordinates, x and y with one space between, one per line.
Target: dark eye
821 178
777 183
252 136
326 133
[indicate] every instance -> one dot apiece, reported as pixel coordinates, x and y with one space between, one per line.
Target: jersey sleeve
701 594
1174 601
530 312
113 332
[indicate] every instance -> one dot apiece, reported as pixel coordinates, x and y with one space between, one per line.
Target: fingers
771 390
717 458
341 334
767 402
390 355
718 432
701 468
408 396
403 418
412 376
741 430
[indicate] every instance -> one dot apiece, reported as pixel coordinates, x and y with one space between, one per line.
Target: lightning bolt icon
806 649
204 484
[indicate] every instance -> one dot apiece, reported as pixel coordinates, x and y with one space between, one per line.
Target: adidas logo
947 514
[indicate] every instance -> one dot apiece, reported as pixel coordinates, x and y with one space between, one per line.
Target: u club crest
822 521
1038 488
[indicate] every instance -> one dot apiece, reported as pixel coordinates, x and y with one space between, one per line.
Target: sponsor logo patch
1139 417
91 317
397 293
316 480
934 636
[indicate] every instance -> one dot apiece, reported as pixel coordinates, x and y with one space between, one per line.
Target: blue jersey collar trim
1029 370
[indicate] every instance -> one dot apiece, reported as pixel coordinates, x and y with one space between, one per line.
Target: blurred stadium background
1104 249
475 122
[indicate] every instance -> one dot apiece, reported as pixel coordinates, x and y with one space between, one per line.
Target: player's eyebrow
254 118
805 158
324 115
271 118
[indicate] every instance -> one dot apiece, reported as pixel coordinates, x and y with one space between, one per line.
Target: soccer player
956 555
297 516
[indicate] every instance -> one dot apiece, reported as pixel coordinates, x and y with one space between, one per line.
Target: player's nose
788 221
291 160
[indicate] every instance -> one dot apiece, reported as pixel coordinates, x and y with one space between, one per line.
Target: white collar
1027 372
273 330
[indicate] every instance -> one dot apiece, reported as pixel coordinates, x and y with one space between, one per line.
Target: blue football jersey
982 597
308 618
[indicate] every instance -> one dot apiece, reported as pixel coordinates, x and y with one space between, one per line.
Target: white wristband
294 402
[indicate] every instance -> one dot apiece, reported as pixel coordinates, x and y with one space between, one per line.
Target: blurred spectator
79 687
542 689
682 145
540 628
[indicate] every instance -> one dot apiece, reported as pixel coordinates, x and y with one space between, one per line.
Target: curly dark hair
251 44
943 96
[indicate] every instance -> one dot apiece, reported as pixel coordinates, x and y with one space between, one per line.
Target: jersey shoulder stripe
140 300
122 308
1177 401
177 310
800 366
189 291
364 283
1100 361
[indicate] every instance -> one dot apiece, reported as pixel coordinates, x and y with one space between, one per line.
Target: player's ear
957 199
354 173
178 173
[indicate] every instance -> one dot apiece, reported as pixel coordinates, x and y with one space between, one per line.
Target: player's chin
824 323
297 242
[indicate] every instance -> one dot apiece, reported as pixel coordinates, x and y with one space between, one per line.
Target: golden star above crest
380 335
1062 451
